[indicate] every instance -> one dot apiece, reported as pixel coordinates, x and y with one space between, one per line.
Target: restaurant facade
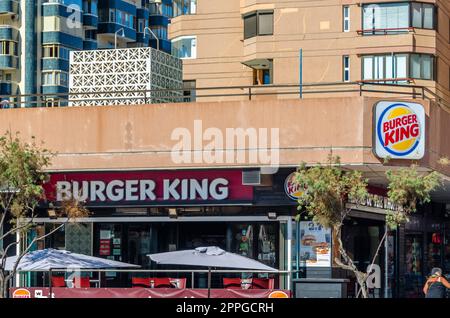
142 202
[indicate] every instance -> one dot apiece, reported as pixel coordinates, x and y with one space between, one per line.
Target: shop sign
377 201
399 130
21 293
315 245
150 187
292 189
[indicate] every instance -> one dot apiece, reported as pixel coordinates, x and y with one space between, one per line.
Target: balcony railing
376 88
385 31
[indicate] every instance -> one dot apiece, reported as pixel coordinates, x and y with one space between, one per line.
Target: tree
22 175
328 188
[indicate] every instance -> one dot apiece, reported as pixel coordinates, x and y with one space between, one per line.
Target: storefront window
414 270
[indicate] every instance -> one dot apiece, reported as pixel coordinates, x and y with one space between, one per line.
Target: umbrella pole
192 280
50 282
209 282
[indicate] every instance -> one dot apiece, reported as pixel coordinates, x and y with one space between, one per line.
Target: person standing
436 284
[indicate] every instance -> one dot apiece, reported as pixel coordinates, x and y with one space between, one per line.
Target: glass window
250 26
265 23
417 15
346 19
367 67
346 67
428 16
389 18
421 66
185 47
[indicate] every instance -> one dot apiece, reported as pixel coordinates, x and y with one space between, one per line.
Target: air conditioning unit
251 177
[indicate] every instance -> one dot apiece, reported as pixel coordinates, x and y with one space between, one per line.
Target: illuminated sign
399 130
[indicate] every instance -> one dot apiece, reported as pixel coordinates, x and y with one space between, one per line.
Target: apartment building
259 42
37 35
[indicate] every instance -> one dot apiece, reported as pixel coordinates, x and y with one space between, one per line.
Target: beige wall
316 27
139 137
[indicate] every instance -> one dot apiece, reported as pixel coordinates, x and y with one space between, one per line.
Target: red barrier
37 292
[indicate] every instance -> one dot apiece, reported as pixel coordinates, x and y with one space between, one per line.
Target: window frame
408 65
346 18
346 70
184 37
410 17
257 14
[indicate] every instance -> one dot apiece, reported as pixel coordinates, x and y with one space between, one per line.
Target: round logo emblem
399 130
293 189
278 294
21 293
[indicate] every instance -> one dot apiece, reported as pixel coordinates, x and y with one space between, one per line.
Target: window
189 91
160 31
250 26
8 48
346 67
55 78
422 66
90 7
398 66
184 7
391 18
422 15
263 75
55 51
258 23
185 47
346 19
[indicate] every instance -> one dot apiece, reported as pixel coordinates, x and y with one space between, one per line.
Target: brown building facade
252 42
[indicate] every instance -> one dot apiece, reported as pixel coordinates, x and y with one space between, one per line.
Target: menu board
315 245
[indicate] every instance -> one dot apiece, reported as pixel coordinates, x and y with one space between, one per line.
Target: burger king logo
400 130
293 189
21 293
278 294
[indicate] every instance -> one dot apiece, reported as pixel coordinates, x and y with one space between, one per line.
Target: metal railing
385 87
280 274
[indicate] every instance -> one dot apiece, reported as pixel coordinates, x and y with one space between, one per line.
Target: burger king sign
399 130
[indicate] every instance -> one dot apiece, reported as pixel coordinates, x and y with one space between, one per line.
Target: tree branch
16 264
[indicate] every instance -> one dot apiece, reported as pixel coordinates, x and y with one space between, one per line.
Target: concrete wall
139 136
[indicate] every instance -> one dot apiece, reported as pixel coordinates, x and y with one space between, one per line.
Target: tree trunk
349 265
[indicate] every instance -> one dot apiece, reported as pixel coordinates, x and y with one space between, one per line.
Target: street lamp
115 36
154 35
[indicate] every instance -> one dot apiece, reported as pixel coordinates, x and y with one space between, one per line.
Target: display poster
315 245
105 247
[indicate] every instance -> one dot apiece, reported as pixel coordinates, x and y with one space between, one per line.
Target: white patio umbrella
51 259
48 259
210 256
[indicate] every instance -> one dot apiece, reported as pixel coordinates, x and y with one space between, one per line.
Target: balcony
8 62
111 28
9 7
90 45
90 21
8 33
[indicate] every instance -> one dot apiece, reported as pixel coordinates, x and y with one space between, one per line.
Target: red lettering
386 126
404 133
389 138
415 130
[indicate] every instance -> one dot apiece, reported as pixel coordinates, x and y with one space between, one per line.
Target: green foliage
407 188
21 175
327 189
